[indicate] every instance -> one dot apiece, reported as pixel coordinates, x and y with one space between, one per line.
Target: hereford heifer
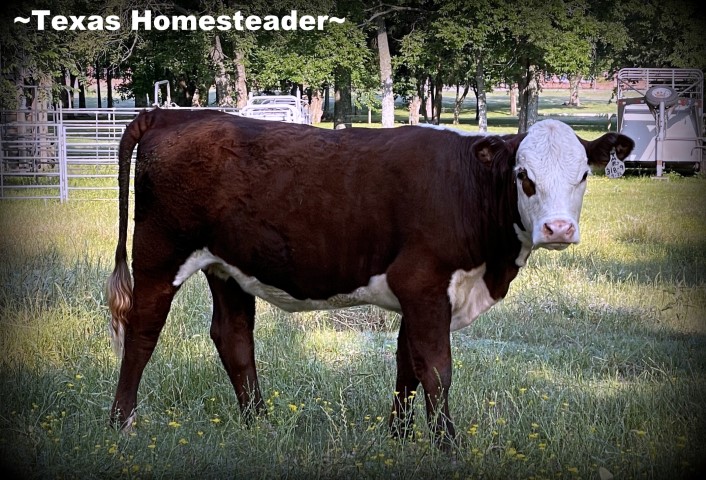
422 221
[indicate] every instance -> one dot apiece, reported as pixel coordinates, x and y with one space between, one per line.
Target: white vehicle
282 108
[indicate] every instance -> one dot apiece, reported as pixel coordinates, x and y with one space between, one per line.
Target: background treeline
405 51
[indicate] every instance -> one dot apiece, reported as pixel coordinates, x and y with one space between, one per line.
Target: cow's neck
505 251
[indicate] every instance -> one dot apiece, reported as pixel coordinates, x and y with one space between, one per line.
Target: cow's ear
598 151
486 149
513 141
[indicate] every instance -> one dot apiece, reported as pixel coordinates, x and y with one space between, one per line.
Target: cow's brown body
313 214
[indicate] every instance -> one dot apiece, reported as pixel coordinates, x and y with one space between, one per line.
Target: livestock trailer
661 109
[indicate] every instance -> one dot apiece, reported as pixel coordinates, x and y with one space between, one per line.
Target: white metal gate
89 154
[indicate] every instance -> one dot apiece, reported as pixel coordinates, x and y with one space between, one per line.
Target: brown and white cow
426 222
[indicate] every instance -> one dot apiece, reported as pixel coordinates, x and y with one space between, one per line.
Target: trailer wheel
661 93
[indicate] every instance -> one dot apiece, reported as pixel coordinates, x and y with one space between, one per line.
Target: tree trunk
141 101
73 81
475 94
241 86
18 104
427 95
513 99
200 96
415 105
109 86
529 98
481 102
186 93
45 152
224 88
316 105
437 88
342 98
388 99
98 85
533 101
458 102
327 107
180 94
64 94
574 86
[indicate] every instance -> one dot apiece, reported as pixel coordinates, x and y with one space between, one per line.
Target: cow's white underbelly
467 291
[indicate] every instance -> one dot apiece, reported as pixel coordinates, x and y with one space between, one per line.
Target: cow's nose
559 231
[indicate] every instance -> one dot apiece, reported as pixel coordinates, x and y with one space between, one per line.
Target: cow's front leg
430 349
423 296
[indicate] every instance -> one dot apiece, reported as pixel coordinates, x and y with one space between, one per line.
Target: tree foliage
433 43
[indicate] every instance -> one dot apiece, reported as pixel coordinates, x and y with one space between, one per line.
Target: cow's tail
119 286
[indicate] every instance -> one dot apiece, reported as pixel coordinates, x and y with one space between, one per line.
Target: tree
31 60
421 46
224 86
424 70
586 33
571 52
380 16
469 33
312 61
660 33
388 99
529 30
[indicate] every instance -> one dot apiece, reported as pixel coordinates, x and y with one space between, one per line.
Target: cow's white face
551 172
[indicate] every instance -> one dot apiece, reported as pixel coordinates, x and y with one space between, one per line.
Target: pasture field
595 363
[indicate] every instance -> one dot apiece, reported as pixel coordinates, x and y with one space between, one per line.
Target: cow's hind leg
152 298
232 332
402 417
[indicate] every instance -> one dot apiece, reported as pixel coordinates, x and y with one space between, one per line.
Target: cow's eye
527 184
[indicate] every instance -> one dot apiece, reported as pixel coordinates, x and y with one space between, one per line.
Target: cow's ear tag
615 167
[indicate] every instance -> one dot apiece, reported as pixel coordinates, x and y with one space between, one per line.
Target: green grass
596 360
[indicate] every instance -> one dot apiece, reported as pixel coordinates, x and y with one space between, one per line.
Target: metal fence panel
72 154
67 154
29 156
